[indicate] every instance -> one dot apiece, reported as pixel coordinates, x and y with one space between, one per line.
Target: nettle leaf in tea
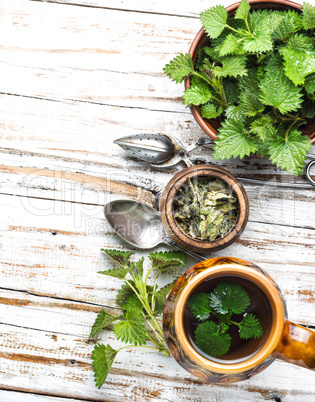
216 310
206 208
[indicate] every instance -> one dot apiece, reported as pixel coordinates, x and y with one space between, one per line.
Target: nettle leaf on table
280 92
121 257
103 319
214 20
132 330
290 152
233 140
103 358
167 259
160 296
210 340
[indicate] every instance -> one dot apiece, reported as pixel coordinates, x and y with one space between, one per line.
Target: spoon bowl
136 223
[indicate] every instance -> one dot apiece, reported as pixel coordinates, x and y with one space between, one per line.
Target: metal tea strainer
163 151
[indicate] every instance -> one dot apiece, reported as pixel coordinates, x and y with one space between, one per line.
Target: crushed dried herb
206 208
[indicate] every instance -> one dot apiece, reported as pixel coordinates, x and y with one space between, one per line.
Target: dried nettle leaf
206 208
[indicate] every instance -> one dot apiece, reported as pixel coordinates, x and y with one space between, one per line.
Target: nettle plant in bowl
254 72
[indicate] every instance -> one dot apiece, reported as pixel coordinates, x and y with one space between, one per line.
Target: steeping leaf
290 153
103 319
199 305
214 20
250 327
278 91
179 68
132 330
229 296
233 140
103 358
210 340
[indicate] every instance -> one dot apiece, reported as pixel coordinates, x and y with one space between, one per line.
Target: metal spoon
140 225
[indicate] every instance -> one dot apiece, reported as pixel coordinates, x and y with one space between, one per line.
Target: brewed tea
258 306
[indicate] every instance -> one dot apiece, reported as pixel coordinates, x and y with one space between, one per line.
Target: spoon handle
168 240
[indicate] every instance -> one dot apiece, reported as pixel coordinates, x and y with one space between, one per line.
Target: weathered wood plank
92 55
52 248
43 361
157 7
13 396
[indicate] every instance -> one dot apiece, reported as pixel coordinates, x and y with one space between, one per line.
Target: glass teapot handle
297 346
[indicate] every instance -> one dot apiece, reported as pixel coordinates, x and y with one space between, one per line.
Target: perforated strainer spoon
163 151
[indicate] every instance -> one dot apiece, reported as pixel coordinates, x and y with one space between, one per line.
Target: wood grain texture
77 74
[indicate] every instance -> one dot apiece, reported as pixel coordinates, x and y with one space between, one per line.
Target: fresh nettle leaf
103 319
278 91
258 63
214 20
119 272
211 111
308 16
290 152
199 305
250 327
140 304
216 310
132 329
210 340
179 68
121 257
167 259
103 358
233 140
309 84
197 94
242 10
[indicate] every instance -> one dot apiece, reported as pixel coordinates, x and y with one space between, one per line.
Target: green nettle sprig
257 76
228 298
140 303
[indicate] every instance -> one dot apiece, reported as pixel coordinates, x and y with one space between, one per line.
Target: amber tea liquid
240 349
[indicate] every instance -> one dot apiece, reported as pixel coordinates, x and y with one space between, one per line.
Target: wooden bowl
169 196
210 126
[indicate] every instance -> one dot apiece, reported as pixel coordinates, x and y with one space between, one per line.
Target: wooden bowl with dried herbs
204 208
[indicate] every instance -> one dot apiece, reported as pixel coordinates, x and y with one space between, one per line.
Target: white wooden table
74 76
